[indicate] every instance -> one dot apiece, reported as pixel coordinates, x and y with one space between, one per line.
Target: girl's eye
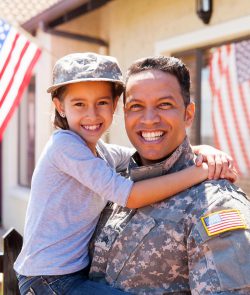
103 102
79 104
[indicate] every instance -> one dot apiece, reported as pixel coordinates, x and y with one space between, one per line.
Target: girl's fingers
211 166
218 167
199 160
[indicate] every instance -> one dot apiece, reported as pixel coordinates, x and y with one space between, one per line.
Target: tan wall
135 26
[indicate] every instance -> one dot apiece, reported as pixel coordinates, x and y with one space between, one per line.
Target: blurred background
211 37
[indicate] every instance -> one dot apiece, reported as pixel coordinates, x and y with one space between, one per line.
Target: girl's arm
156 189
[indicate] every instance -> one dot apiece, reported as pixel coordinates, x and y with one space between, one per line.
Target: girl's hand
220 164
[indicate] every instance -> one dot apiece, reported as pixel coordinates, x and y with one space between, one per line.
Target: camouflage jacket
173 247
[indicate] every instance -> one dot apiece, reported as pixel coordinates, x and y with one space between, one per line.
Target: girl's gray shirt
69 189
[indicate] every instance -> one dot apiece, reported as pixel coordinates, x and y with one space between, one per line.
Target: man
196 242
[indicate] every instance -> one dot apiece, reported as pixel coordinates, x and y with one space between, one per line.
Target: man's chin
152 158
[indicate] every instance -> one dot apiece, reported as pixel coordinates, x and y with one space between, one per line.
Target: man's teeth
92 127
151 136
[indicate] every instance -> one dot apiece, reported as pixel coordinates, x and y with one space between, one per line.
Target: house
128 30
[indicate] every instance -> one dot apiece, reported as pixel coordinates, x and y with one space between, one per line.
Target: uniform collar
181 158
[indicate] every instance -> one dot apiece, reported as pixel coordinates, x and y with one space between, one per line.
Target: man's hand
220 164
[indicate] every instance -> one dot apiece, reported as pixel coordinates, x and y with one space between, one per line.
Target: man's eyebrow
133 100
166 97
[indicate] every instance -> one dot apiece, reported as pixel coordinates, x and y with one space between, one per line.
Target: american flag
18 56
230 88
222 221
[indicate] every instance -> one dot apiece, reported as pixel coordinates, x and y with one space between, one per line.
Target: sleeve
72 157
121 155
218 245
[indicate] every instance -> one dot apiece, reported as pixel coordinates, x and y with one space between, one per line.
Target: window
26 134
222 110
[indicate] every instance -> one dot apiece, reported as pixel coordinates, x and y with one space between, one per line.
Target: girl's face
89 109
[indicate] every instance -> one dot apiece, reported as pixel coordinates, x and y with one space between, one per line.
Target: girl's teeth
151 136
92 127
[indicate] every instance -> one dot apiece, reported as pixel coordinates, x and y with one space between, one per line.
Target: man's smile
151 136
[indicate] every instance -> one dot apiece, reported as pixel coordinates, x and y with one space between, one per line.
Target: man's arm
218 246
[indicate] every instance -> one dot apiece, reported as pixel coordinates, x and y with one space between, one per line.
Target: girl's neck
92 147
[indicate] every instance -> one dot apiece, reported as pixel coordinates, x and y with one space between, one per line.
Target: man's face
155 114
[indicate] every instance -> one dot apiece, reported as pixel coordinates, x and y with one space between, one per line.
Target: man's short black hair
169 65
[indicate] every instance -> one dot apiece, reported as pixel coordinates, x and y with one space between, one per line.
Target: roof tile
20 11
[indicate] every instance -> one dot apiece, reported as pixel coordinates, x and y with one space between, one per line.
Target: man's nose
150 116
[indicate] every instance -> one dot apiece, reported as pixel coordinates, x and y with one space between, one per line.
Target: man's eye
165 105
135 107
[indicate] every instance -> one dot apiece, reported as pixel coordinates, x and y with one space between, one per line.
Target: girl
75 177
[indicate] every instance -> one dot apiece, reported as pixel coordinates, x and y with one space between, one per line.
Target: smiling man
196 242
156 115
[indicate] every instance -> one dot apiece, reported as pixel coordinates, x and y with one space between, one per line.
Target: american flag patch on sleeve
222 221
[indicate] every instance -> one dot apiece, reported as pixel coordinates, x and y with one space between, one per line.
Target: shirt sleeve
218 249
71 156
120 155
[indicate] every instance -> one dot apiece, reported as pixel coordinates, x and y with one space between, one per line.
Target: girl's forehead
90 85
88 90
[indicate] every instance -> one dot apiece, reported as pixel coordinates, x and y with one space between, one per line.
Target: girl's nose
91 112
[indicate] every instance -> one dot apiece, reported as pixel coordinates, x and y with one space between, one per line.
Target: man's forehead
153 82
147 75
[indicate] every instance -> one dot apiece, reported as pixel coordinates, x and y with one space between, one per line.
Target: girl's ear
189 114
58 105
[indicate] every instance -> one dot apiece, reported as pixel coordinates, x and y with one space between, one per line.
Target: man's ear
189 114
58 105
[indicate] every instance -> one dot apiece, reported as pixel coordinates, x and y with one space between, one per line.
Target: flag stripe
14 73
241 119
218 109
224 226
9 55
19 93
18 57
4 52
19 77
222 221
236 131
244 105
10 69
230 88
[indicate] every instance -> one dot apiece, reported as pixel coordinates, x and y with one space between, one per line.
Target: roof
31 13
20 11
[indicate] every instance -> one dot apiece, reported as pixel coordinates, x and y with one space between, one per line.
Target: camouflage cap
87 66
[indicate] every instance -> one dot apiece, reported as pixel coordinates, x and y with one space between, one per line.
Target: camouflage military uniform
165 249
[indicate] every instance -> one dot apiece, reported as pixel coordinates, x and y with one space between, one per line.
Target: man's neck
179 159
145 162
